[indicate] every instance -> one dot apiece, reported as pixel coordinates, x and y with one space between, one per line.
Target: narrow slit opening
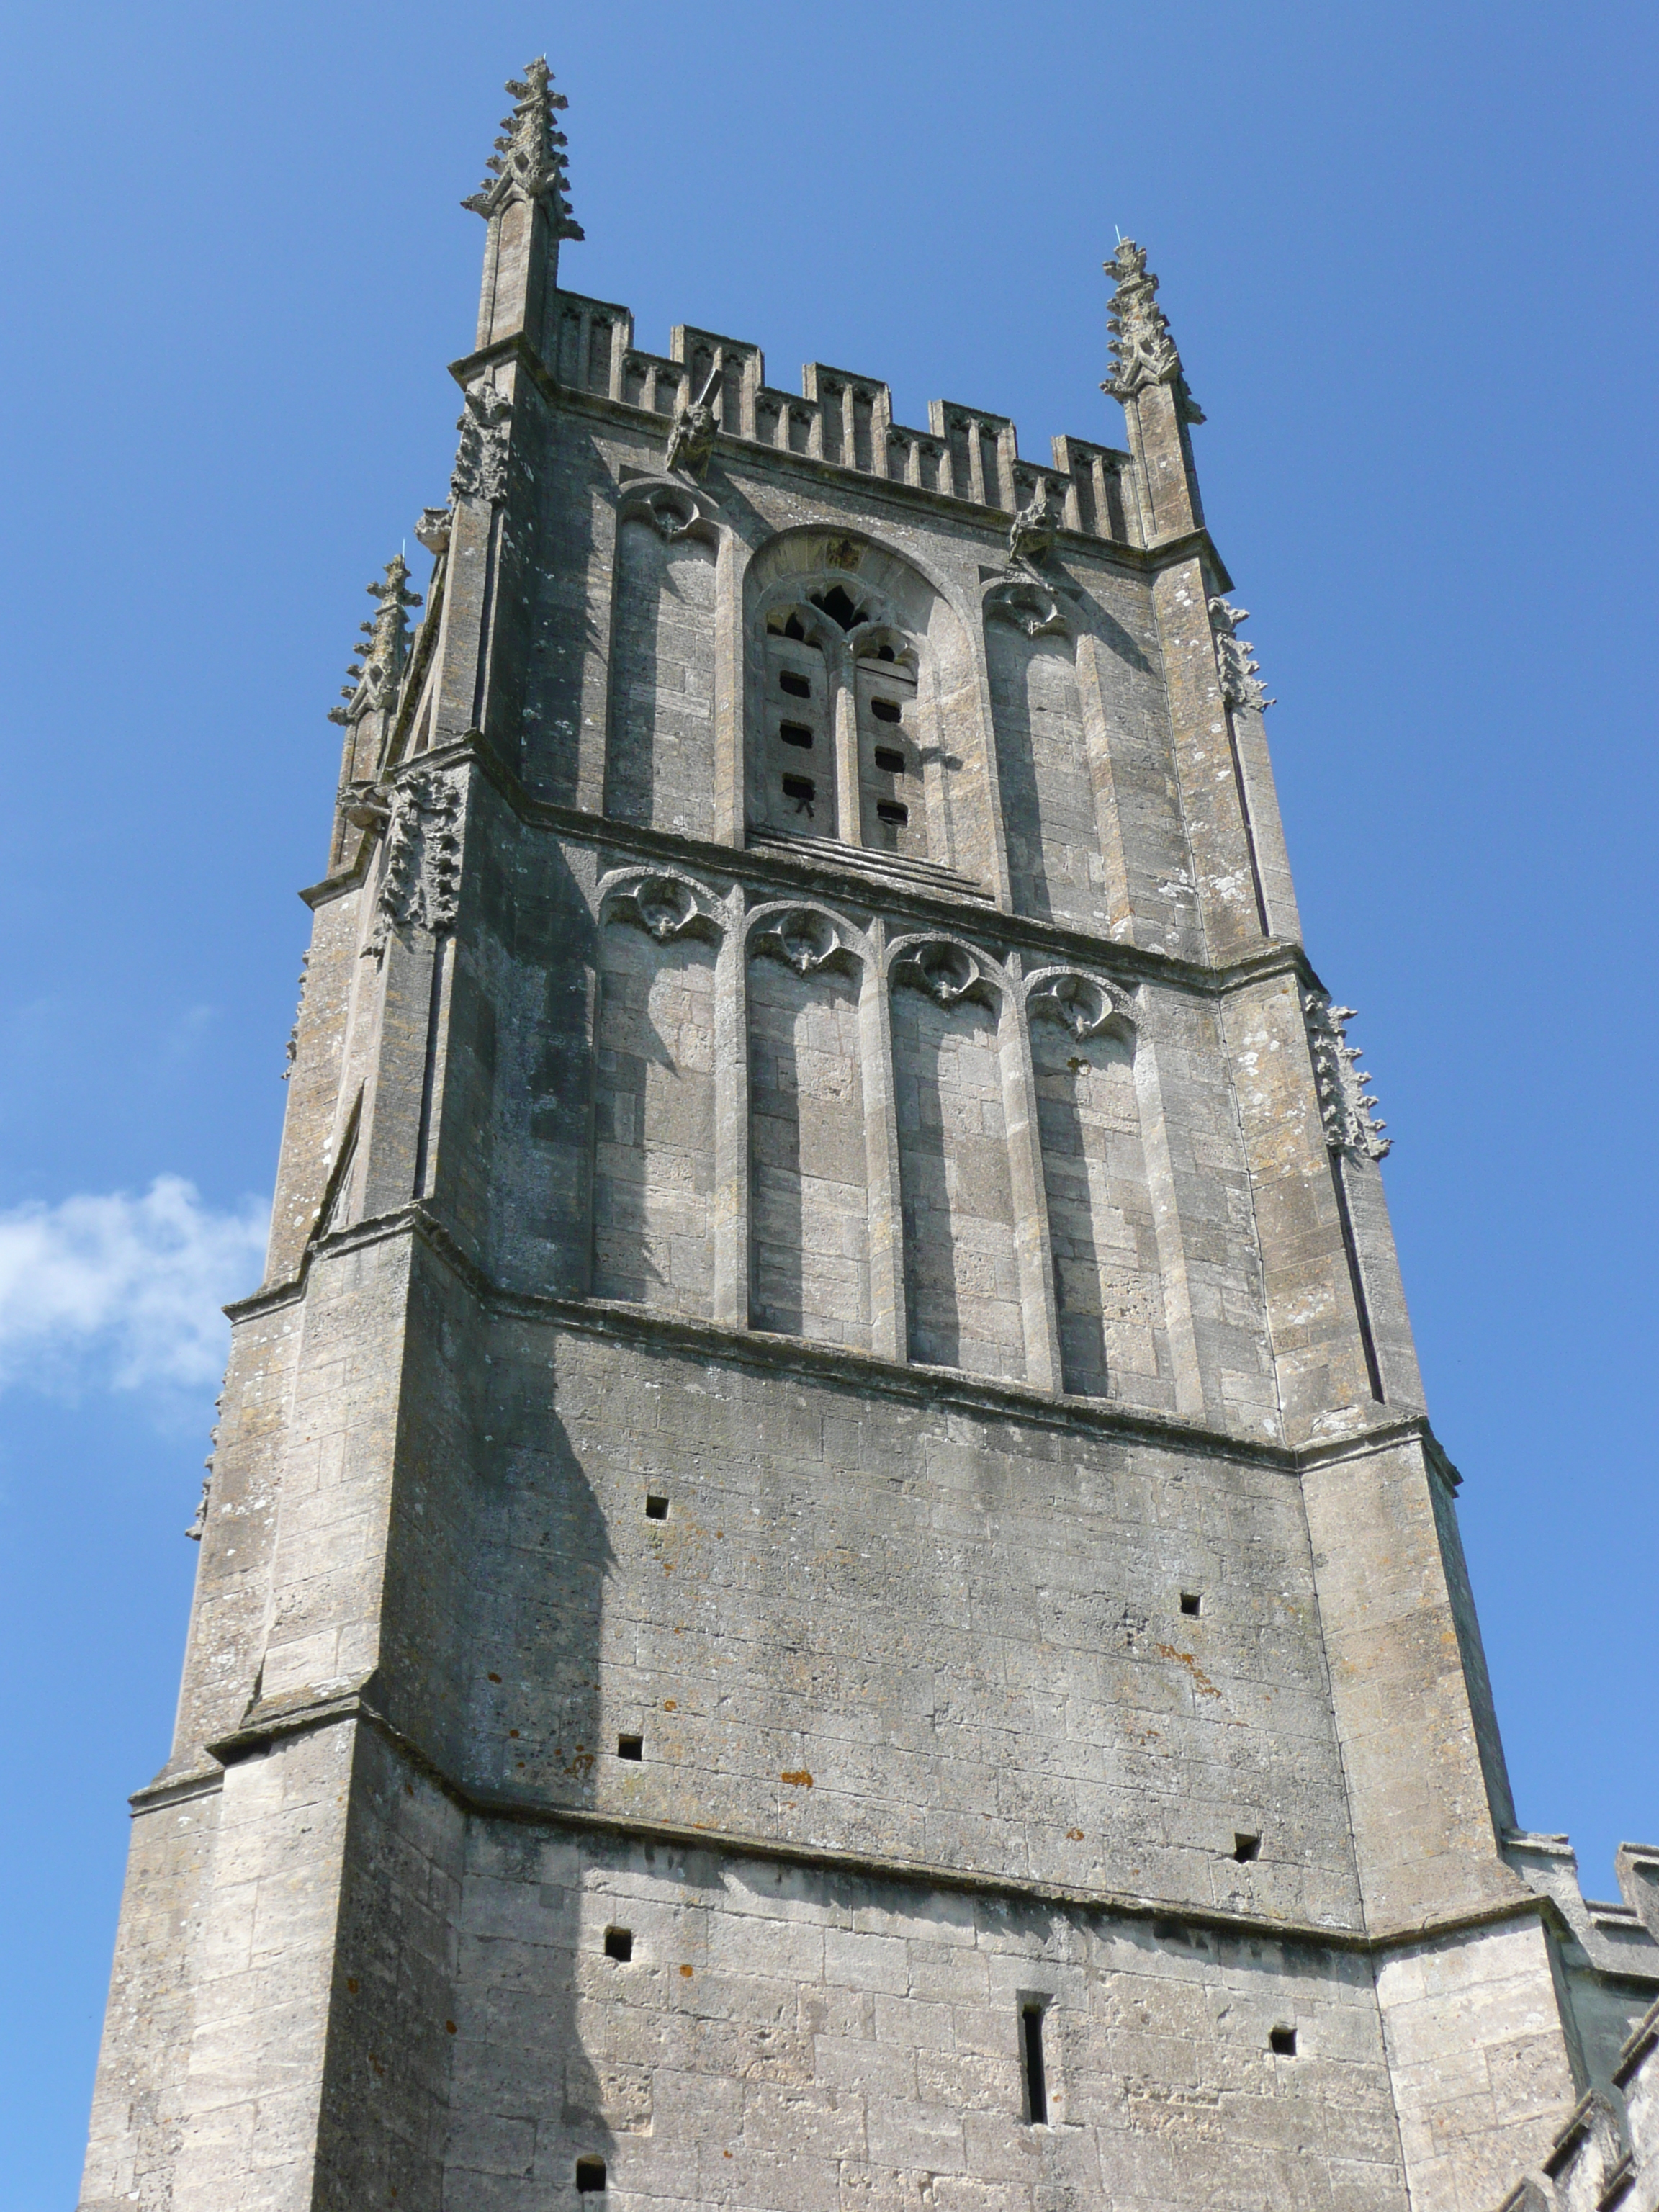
798 687
803 791
796 734
889 810
1036 2080
889 762
886 710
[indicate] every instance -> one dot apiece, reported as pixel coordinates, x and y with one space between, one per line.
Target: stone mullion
730 1193
1033 1239
890 1337
844 727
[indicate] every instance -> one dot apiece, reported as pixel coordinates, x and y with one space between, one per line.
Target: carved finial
1143 352
1345 1105
1238 671
1031 532
374 675
529 161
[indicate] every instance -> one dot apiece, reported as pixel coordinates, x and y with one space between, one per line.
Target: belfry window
890 779
840 752
798 734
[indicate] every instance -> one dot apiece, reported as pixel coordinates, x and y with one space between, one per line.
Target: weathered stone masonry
825 1583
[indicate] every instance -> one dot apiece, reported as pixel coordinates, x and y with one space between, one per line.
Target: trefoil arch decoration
949 969
673 509
1082 1003
662 902
1029 604
807 938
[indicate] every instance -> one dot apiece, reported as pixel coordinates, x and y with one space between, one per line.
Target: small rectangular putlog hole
795 733
590 2174
656 1509
1191 1602
619 1943
1037 2078
1281 2041
889 762
888 809
630 1747
1246 1848
798 687
886 710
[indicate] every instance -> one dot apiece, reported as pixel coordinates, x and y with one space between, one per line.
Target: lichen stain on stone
1201 1681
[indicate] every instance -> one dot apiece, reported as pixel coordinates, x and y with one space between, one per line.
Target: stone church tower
826 1587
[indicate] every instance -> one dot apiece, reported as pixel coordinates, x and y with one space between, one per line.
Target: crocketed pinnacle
529 161
1143 352
381 657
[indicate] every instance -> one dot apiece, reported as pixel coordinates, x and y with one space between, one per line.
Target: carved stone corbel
1081 1003
433 528
946 969
661 902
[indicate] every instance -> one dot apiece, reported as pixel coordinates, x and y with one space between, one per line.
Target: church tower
826 1587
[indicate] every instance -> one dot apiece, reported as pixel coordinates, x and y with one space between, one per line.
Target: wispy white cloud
115 1290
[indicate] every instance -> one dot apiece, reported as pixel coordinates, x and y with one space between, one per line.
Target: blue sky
1407 252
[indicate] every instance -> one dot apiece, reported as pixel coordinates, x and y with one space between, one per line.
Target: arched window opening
839 607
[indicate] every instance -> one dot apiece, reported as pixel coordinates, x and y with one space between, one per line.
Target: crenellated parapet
843 420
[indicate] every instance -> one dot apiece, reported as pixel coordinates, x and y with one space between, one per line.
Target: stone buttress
825 1583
